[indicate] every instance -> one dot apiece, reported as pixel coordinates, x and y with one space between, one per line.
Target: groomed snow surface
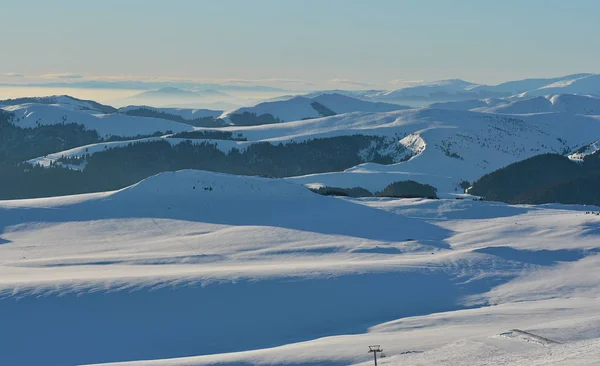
199 268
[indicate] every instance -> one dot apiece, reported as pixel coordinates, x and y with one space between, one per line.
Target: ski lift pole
375 349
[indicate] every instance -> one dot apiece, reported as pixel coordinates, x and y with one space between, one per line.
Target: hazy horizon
316 45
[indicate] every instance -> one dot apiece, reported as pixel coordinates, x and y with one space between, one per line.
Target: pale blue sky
312 41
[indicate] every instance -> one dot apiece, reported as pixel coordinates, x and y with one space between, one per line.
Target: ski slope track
199 268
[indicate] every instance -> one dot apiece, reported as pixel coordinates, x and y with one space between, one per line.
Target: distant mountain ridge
62 99
301 107
458 90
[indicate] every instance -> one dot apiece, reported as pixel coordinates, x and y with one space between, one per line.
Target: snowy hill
453 146
447 146
584 84
459 90
439 147
242 270
64 100
568 103
442 89
33 114
323 105
521 86
184 114
344 104
294 109
358 94
471 104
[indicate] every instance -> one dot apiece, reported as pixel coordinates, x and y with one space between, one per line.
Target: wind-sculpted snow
254 270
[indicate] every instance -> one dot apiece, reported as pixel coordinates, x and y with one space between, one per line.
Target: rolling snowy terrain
185 113
300 108
440 147
114 124
191 267
460 90
263 271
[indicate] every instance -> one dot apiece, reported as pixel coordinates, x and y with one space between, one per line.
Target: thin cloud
223 81
349 82
262 81
66 75
403 81
13 75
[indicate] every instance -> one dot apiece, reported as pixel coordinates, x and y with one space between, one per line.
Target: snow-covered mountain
525 85
114 124
344 104
471 104
585 84
437 90
575 104
439 147
63 100
220 269
294 109
322 105
188 114
459 90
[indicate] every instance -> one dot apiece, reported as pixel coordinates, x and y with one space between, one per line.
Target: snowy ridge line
453 89
461 145
30 115
48 160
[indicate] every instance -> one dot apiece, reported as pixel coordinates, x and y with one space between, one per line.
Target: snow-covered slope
344 104
434 90
64 100
185 113
466 105
569 103
584 84
445 147
460 90
453 145
294 109
521 86
240 270
299 107
32 114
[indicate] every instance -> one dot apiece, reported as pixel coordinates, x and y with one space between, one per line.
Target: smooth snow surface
198 268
